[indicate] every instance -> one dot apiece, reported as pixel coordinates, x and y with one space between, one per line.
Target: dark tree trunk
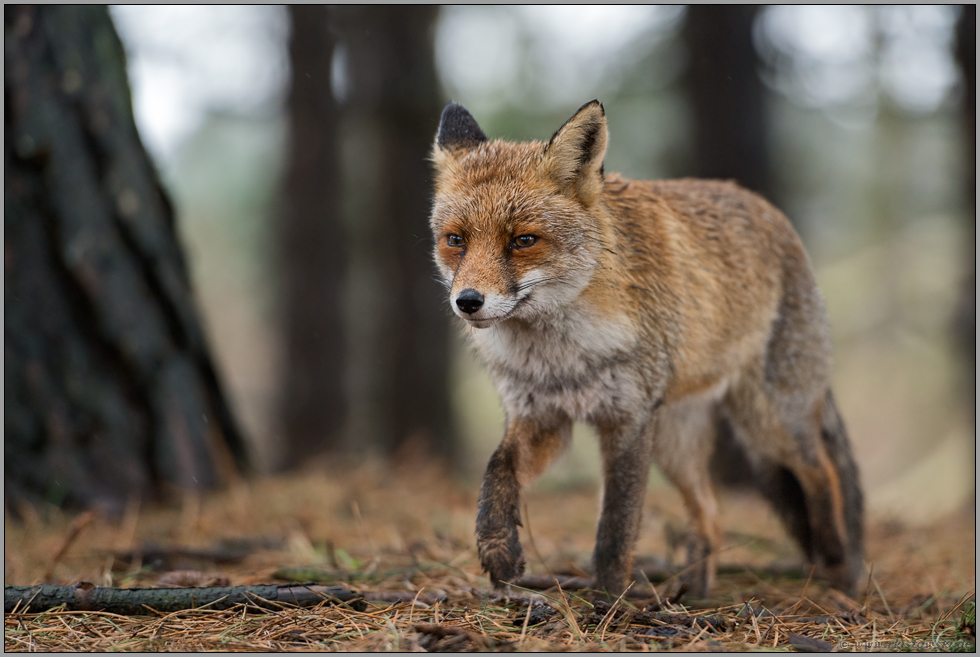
399 368
109 390
727 96
965 318
966 54
313 247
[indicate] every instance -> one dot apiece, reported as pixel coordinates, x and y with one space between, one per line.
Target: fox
663 314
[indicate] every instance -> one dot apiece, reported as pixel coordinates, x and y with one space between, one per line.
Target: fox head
517 225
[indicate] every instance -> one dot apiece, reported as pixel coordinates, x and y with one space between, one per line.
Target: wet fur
656 311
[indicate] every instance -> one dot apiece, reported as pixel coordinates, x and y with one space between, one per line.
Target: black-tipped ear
458 128
575 153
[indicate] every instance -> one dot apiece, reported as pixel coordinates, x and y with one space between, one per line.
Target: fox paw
501 557
844 577
700 570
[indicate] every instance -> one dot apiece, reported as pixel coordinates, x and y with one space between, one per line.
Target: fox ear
575 153
458 128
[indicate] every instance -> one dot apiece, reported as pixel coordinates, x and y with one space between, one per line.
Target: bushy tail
731 467
838 448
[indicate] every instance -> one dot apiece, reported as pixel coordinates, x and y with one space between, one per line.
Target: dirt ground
411 532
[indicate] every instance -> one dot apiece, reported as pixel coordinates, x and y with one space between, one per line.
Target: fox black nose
469 301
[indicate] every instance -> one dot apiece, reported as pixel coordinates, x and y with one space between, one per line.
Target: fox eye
524 241
454 240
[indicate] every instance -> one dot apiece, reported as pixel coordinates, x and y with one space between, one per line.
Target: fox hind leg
683 445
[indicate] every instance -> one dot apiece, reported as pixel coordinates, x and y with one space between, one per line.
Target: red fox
657 312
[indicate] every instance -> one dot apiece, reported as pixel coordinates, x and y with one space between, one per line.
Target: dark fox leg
525 452
625 470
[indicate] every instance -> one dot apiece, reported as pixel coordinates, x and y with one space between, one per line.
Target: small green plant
968 621
346 561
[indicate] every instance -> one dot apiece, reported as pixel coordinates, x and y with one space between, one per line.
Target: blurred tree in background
965 324
727 97
366 336
109 389
398 350
965 317
313 247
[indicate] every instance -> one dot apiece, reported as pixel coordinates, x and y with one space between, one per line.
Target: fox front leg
527 449
626 453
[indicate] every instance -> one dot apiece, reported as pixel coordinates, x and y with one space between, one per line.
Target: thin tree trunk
313 248
727 96
109 389
399 367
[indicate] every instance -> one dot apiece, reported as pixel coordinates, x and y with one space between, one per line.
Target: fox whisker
537 281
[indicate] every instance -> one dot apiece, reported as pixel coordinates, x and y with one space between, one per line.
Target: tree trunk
965 323
965 317
399 352
313 248
109 390
727 96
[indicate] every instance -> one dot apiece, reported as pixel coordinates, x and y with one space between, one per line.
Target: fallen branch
138 601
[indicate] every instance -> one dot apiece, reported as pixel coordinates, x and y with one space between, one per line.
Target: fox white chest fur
574 363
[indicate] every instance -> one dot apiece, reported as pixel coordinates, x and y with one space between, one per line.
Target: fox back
655 311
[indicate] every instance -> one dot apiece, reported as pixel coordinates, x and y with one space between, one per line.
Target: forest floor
410 532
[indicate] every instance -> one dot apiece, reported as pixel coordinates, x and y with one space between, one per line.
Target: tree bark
109 389
727 96
313 248
399 353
